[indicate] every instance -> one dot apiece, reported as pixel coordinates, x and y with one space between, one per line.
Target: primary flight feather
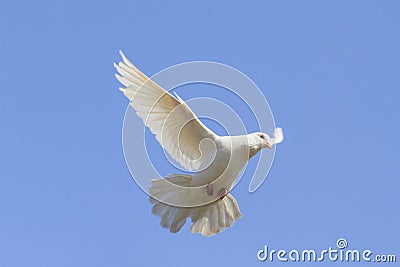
204 197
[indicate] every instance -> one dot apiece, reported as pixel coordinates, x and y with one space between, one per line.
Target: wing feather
175 125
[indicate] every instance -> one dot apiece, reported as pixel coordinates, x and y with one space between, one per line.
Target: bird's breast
225 167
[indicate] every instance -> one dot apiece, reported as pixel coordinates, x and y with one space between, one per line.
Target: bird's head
258 141
263 140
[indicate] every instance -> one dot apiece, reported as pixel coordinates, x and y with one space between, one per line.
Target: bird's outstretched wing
176 127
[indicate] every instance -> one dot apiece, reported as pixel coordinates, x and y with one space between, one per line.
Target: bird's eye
262 136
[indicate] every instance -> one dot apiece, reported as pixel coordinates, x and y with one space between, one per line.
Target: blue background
329 69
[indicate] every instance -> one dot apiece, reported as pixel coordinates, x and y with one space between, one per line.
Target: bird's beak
269 146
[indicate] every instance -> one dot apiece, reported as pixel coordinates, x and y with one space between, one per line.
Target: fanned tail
207 220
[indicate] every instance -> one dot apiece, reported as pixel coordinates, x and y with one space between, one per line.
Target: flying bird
216 160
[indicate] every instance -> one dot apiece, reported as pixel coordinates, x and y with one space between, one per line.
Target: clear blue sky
329 69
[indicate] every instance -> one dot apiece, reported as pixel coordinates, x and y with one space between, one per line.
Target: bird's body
232 153
203 197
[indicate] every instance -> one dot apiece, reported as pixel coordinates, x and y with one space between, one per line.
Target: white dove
218 160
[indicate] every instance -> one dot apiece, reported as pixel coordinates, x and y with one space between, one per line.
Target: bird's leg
210 189
222 193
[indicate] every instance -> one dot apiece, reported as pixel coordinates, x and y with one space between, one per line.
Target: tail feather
207 220
215 217
166 190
